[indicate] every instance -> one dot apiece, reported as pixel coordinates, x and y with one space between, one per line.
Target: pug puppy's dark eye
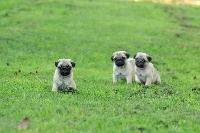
60 66
123 57
143 60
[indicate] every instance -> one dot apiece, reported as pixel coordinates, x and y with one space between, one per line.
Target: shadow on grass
154 91
68 90
196 90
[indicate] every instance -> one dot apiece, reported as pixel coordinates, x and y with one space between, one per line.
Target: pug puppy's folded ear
112 58
134 56
127 55
56 63
149 58
73 64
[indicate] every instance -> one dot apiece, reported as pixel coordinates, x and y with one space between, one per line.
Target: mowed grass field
35 34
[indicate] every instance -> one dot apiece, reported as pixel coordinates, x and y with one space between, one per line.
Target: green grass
35 34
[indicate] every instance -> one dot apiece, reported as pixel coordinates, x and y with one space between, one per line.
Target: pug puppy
123 67
63 76
145 72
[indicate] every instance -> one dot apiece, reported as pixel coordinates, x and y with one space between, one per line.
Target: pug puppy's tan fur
123 67
145 72
63 76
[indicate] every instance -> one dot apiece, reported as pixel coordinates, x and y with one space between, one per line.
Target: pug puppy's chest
63 83
142 75
121 73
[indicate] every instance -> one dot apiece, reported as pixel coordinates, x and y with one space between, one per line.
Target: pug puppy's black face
120 58
64 66
142 60
64 70
120 61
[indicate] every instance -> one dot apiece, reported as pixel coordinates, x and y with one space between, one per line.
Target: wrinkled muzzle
64 71
120 62
140 63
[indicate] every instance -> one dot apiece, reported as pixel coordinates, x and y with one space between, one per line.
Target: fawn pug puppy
63 76
145 72
123 67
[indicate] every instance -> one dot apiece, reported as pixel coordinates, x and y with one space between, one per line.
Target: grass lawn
34 34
